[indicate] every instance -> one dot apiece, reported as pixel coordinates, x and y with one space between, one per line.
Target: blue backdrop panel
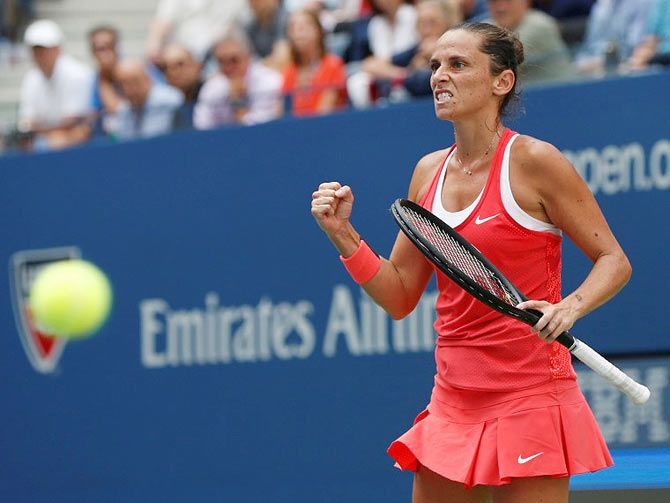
240 363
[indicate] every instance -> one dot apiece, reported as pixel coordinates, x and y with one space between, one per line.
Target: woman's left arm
556 193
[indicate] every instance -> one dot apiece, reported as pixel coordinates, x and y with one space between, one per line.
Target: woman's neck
309 57
474 138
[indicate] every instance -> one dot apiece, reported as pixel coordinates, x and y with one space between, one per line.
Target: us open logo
43 350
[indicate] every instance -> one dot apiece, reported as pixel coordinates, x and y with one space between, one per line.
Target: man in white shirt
244 92
55 95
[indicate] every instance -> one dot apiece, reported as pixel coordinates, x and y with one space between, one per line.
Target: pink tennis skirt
489 438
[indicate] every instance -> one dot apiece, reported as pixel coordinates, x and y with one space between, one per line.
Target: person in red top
315 80
506 420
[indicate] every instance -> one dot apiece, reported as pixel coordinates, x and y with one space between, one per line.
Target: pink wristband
363 264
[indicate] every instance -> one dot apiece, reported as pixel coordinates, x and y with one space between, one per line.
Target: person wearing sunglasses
244 91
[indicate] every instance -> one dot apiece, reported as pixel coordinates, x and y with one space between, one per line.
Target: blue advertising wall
240 362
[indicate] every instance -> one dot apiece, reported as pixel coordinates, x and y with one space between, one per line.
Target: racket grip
638 393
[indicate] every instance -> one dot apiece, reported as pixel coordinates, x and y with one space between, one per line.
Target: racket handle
638 393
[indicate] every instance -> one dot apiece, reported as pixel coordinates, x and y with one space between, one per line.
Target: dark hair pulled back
505 51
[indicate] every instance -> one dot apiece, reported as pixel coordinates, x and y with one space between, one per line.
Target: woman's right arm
401 279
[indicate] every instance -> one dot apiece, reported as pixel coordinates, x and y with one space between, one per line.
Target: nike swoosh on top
480 221
521 460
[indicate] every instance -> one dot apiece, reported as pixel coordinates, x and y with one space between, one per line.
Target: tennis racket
473 272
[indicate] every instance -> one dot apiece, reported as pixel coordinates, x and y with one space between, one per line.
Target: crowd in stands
212 63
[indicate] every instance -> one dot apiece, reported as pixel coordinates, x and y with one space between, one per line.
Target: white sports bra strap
510 204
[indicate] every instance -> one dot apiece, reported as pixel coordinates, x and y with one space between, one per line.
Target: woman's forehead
462 42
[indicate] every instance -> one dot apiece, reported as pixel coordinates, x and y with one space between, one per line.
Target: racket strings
455 253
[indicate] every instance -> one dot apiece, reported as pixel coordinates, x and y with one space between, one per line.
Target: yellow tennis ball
70 299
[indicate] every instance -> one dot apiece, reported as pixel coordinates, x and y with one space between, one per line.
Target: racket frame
529 317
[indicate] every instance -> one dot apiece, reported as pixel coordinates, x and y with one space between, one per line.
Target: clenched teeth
444 96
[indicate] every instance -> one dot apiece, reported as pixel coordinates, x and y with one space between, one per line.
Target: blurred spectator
391 30
244 92
345 11
106 94
615 28
54 104
311 5
148 108
412 67
562 9
572 16
182 71
315 80
655 48
330 12
266 30
195 24
355 35
474 10
546 55
14 15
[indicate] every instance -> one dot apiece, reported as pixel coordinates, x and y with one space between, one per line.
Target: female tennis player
506 420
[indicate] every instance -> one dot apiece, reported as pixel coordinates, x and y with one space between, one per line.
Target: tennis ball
70 299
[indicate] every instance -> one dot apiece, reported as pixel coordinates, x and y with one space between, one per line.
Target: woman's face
461 78
302 32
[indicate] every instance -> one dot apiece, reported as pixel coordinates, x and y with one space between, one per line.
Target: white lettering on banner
149 309
227 334
620 168
220 334
620 420
660 164
370 334
342 320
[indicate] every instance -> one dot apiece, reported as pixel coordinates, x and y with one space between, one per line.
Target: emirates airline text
216 334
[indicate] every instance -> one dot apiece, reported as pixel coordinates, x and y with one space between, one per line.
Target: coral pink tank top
477 347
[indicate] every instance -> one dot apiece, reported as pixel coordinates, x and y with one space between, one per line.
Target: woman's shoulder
529 148
331 70
431 160
537 158
424 172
